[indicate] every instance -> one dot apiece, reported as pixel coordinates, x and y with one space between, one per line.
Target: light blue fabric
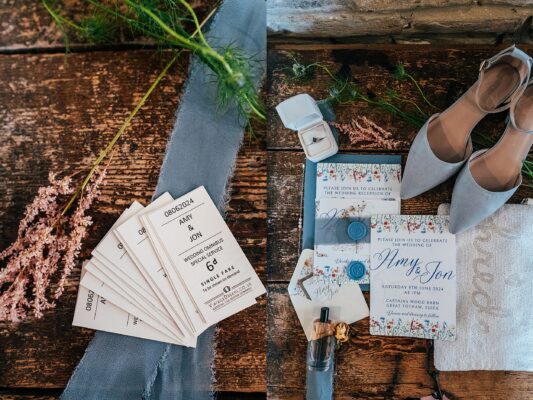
201 151
320 385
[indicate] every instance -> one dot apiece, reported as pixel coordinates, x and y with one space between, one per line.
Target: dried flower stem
365 133
50 238
47 239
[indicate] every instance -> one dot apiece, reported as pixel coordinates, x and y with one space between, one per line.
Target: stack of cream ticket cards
166 272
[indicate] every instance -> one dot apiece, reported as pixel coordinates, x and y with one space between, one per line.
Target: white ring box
301 113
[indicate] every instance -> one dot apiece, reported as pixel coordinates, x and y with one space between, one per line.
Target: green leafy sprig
400 73
166 22
108 150
344 90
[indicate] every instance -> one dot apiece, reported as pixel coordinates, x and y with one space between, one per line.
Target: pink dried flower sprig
367 134
34 268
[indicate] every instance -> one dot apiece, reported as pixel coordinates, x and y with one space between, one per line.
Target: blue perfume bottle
321 347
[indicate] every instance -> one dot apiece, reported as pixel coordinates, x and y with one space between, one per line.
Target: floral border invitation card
358 180
412 277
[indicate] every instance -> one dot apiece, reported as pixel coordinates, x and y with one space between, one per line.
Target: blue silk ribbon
202 151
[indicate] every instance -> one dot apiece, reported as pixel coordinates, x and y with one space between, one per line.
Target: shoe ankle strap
512 51
512 111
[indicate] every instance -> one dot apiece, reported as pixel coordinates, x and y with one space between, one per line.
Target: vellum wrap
319 385
494 292
323 329
201 151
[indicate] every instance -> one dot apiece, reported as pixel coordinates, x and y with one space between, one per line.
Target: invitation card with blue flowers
412 277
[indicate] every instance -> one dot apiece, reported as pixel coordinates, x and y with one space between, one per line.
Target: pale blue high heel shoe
492 176
443 144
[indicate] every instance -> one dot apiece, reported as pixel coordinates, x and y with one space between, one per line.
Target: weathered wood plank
477 385
369 367
443 73
13 396
372 367
362 392
45 395
398 20
285 196
240 362
26 25
55 115
388 5
240 396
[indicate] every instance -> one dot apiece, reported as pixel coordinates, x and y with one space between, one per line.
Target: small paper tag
347 305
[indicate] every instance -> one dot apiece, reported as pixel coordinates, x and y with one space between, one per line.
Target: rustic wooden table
56 114
368 367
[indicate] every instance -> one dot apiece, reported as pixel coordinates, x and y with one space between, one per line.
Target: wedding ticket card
96 312
146 277
133 235
412 277
113 265
204 256
119 299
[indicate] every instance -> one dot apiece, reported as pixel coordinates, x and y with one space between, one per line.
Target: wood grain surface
25 26
56 114
411 21
444 73
369 367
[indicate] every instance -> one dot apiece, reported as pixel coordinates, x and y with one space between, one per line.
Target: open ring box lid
301 113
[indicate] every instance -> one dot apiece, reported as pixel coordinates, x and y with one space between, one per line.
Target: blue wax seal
356 270
357 230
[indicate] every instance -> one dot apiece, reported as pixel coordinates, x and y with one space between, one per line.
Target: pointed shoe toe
433 157
424 170
472 203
